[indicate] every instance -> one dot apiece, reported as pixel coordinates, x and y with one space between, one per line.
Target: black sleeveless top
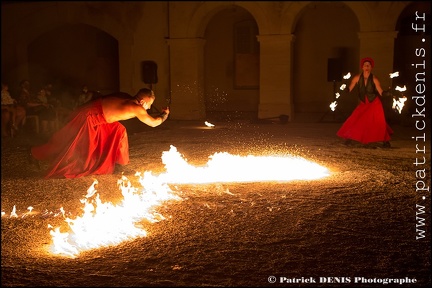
368 90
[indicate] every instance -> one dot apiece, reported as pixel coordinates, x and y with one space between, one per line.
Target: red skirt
366 124
86 145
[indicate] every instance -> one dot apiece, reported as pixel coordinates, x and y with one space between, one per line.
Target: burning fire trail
224 167
337 94
398 104
105 224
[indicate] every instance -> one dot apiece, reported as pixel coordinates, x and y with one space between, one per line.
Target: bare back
121 108
117 109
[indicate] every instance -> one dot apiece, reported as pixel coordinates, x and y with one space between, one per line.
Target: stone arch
314 46
231 71
76 14
72 14
376 16
200 18
292 13
65 55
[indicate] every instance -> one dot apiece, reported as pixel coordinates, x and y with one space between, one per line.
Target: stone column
275 76
187 78
379 46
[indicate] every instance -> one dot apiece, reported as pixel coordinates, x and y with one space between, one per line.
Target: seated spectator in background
49 115
62 112
37 106
84 97
14 114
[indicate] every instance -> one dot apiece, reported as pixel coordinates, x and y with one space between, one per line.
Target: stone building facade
211 59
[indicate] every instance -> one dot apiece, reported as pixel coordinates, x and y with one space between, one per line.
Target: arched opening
231 65
324 31
71 55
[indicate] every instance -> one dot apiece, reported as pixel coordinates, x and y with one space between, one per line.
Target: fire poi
398 101
105 224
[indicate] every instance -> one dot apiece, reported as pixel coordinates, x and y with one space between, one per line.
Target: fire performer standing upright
94 141
367 123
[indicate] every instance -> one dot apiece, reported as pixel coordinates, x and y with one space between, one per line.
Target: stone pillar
275 76
187 78
379 46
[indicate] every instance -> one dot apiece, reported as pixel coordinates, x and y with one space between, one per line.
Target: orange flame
208 124
105 224
399 104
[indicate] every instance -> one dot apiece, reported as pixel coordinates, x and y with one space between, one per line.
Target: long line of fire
398 98
104 224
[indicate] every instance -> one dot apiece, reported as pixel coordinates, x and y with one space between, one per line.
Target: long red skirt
366 124
86 145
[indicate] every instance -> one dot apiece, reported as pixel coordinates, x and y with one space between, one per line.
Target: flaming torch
337 94
398 100
399 104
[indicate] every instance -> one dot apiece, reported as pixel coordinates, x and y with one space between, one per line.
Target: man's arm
146 118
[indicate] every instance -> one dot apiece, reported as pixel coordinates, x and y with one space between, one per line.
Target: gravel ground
360 226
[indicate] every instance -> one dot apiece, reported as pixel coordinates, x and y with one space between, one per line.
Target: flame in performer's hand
401 89
333 105
394 74
399 104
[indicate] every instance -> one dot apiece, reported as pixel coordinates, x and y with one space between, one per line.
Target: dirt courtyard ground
364 225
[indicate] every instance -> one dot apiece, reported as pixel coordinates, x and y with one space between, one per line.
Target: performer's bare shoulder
121 106
117 109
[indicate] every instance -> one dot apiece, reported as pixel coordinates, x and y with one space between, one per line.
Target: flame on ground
105 224
225 167
208 124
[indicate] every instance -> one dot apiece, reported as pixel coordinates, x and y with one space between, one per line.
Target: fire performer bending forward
94 141
367 123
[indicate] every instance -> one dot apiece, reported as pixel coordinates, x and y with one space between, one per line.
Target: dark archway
327 30
231 65
71 55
